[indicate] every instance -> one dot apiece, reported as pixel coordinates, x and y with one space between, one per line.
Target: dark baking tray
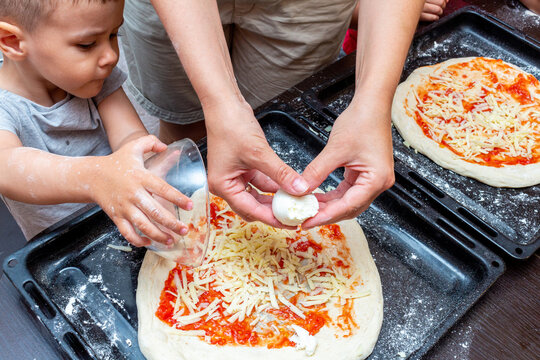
84 291
507 218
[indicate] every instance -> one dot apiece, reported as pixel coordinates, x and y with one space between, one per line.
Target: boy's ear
11 39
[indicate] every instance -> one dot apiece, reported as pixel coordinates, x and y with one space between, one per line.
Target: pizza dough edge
156 342
515 176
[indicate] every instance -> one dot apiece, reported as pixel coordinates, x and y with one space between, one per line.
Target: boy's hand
124 188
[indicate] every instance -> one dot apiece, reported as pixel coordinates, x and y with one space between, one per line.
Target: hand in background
433 9
124 188
361 142
239 155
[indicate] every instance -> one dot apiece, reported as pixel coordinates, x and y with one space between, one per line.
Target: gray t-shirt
71 127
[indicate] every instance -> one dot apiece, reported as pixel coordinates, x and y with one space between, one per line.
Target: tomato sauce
345 321
218 220
518 89
305 245
331 232
219 331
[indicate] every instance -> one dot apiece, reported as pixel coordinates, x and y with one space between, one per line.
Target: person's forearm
120 119
37 177
533 5
195 29
385 30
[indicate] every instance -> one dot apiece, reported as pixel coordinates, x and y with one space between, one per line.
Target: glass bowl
182 167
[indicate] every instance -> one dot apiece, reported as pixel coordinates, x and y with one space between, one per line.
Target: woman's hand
361 142
239 155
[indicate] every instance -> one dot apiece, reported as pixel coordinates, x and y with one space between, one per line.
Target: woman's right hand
239 155
125 190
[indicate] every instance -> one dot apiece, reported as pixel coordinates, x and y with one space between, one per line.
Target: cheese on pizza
479 117
483 110
261 286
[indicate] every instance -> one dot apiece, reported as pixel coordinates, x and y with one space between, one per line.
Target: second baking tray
83 291
507 218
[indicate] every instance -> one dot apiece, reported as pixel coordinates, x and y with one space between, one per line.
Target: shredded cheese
120 247
256 268
464 110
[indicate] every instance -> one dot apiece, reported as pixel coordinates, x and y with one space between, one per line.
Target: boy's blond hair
28 13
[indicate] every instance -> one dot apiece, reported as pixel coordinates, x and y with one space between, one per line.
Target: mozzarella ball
294 210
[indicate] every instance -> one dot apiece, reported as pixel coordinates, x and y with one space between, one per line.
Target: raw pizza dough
506 176
157 342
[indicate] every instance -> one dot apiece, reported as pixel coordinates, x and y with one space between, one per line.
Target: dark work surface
11 237
504 324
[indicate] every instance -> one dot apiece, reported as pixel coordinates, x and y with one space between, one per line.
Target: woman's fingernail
170 241
183 231
300 185
189 205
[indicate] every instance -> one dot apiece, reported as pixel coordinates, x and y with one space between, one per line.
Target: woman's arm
238 152
361 138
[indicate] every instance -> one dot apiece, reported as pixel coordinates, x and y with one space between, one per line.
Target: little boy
62 110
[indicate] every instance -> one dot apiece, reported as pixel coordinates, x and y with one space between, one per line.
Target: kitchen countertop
504 324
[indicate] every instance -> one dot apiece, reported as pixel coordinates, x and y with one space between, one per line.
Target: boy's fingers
162 212
164 166
127 231
139 219
161 188
149 143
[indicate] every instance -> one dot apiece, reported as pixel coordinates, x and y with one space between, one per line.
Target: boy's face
76 48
